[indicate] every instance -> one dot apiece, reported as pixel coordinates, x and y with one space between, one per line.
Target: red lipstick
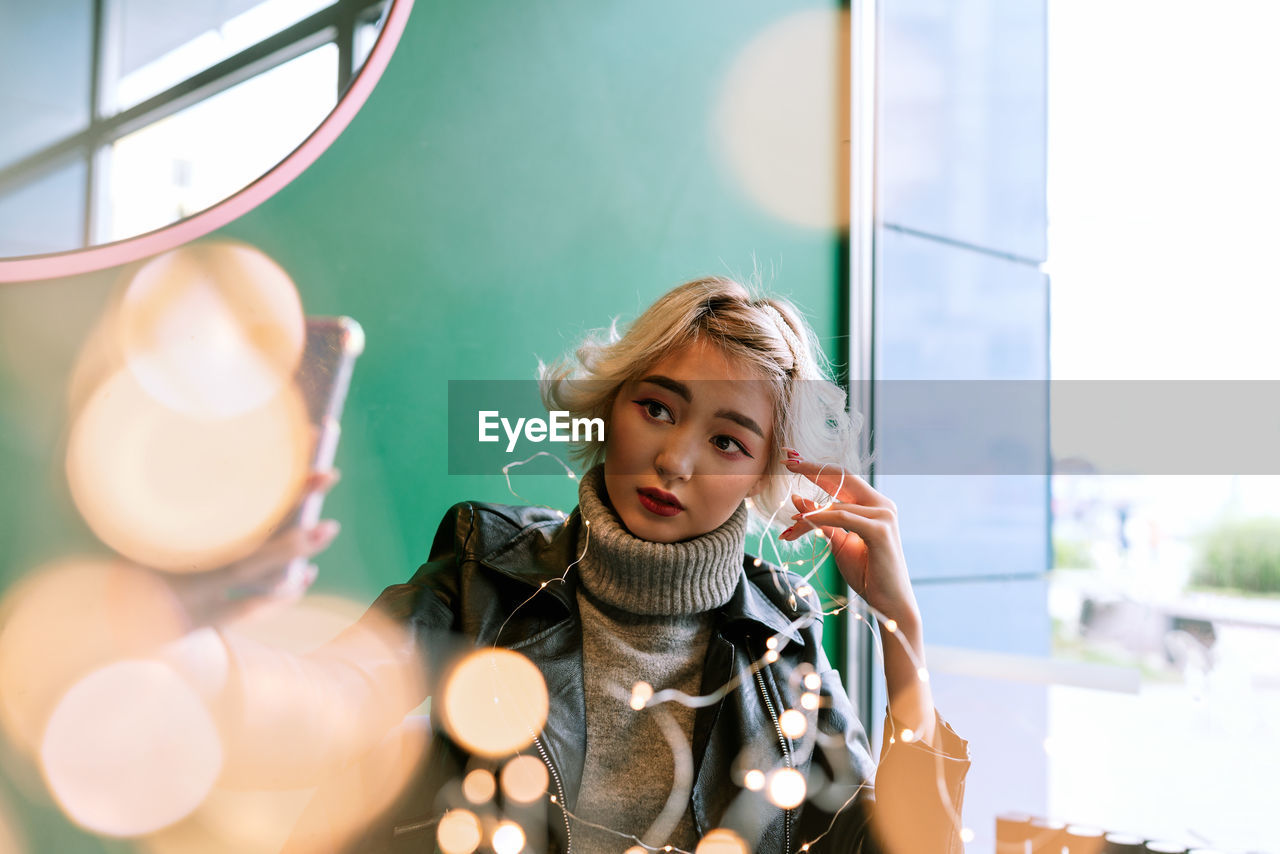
660 502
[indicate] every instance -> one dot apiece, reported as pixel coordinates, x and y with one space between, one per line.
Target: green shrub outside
1072 554
1240 555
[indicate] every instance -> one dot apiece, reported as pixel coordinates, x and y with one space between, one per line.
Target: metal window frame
336 23
859 257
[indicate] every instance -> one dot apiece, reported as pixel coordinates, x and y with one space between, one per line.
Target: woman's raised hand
862 526
266 579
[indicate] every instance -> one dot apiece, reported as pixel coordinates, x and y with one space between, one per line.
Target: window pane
366 33
161 43
44 73
195 158
1162 188
46 215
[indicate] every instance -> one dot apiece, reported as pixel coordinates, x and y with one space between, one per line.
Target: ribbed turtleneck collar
644 577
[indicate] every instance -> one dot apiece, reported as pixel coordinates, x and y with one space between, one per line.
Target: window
110 133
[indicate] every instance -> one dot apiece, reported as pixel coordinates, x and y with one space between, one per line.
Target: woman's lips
654 503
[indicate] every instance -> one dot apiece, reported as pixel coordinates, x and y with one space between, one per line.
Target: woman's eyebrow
679 388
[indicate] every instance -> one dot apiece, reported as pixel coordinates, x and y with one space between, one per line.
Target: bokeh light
524 779
722 841
812 681
793 723
495 702
67 619
641 693
246 822
508 838
335 671
459 832
783 115
754 780
809 700
786 788
11 841
185 494
478 786
211 329
130 749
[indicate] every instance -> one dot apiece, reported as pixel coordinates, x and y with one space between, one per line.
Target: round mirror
133 126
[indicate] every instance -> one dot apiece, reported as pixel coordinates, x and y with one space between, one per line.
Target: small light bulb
786 788
923 674
793 723
771 656
809 700
641 693
891 625
966 834
772 643
508 838
754 780
812 681
908 735
756 562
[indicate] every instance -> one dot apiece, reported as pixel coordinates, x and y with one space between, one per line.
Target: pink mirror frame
76 261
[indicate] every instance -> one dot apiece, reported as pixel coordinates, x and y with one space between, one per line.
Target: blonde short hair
766 334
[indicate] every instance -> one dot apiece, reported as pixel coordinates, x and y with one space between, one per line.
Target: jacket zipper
564 808
786 758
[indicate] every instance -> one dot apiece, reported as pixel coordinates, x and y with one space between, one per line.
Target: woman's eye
732 441
649 406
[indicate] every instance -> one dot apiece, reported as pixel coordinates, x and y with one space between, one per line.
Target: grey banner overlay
961 427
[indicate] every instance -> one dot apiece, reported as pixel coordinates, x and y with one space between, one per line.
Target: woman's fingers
840 483
857 518
280 550
321 481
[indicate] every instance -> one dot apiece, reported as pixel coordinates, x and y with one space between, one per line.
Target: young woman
670 652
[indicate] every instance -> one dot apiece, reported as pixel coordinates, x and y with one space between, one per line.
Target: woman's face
696 430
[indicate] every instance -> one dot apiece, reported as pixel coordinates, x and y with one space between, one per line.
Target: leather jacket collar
543 548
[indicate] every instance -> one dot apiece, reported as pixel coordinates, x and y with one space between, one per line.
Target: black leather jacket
487 561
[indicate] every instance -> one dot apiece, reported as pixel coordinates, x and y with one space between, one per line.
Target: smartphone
324 376
332 346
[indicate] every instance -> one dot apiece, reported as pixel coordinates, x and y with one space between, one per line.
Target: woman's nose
675 458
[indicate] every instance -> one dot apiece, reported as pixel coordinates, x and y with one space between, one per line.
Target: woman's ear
758 486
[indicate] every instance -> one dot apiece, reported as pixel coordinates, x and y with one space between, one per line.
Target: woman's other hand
862 526
275 575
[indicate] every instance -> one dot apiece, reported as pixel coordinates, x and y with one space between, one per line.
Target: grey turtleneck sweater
645 610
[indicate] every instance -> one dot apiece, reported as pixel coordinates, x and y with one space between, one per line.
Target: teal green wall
523 172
